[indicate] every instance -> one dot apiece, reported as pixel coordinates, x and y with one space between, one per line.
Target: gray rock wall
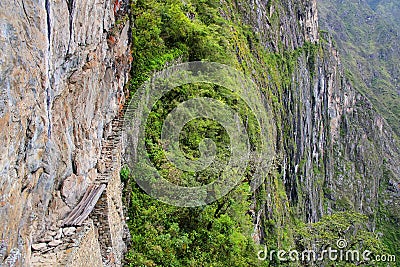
334 151
63 68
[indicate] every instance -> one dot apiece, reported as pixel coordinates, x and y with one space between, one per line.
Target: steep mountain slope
389 9
368 38
335 173
367 34
334 152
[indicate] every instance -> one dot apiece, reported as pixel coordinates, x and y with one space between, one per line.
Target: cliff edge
64 65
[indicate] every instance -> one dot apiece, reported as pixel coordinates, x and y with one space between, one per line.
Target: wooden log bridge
108 155
85 206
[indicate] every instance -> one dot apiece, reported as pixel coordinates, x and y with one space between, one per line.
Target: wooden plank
94 192
78 207
85 206
90 205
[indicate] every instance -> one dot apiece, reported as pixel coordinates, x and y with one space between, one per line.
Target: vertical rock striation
64 65
63 68
335 152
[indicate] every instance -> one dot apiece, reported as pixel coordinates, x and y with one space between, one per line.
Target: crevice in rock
48 87
47 6
26 14
70 5
74 167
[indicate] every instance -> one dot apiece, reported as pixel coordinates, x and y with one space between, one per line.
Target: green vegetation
172 31
214 235
349 226
220 234
388 216
367 35
163 235
195 131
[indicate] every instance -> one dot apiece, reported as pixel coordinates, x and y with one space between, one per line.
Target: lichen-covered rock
69 231
61 83
298 22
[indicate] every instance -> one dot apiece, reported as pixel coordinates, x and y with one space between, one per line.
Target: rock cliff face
335 151
367 34
63 70
64 65
281 26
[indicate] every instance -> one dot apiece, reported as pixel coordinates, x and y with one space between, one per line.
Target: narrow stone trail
96 208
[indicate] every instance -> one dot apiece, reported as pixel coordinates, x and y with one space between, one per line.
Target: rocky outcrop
365 152
334 151
63 70
282 25
367 36
68 247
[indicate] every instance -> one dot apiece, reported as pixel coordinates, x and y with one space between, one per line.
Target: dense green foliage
349 226
168 31
195 131
214 235
219 234
163 235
